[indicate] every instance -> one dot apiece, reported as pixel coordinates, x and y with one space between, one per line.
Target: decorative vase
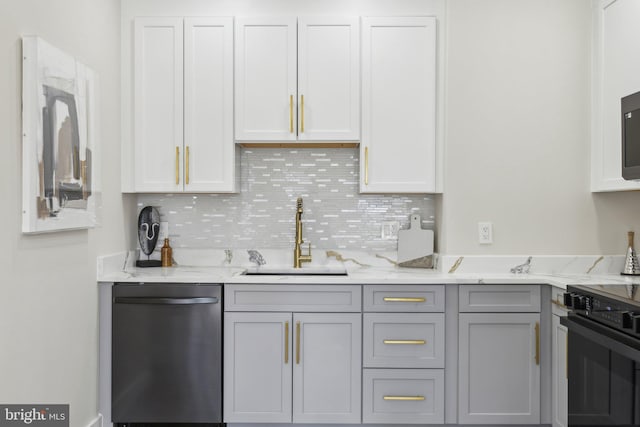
631 267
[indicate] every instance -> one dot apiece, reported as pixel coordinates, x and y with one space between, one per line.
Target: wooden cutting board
415 245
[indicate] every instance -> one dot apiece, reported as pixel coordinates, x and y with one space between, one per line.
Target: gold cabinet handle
186 178
404 398
366 165
537 328
405 299
410 342
301 113
297 343
286 342
291 113
177 165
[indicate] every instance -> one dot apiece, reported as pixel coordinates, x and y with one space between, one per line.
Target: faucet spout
298 257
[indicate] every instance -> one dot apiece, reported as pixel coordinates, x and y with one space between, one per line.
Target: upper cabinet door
398 149
209 152
616 74
265 79
328 79
158 65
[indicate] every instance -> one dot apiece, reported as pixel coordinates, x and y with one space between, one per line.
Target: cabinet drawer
405 298
403 396
500 298
393 340
298 298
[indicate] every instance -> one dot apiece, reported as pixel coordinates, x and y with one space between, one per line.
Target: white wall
518 122
48 292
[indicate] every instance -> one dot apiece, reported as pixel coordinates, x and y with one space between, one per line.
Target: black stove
617 306
603 355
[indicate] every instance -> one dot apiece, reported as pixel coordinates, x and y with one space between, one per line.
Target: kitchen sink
290 271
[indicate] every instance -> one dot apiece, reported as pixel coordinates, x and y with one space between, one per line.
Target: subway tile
263 215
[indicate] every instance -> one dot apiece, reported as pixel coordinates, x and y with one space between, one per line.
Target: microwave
631 136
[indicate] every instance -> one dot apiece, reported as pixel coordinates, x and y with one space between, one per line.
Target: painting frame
60 150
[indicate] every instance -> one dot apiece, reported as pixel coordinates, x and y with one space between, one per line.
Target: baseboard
96 422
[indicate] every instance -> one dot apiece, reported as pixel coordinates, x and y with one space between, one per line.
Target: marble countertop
558 271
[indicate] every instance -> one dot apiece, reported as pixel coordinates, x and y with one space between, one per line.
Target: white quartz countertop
367 269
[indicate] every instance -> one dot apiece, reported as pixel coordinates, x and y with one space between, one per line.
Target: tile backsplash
262 215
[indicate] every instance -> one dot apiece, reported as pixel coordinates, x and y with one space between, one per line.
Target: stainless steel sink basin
290 271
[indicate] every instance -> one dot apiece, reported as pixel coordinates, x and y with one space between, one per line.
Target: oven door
602 374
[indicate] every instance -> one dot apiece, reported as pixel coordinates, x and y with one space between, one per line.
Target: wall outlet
485 233
389 230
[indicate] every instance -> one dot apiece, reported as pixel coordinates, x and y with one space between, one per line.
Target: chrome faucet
298 258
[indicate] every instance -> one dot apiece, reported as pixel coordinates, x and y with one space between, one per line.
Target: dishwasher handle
166 301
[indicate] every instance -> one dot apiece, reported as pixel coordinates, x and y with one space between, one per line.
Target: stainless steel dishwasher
166 353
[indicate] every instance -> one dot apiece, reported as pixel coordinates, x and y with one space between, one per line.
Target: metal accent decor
631 267
148 232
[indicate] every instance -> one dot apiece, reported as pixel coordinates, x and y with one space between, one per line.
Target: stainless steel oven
604 355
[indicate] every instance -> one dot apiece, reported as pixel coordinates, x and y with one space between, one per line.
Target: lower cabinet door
257 367
403 396
327 367
559 381
499 374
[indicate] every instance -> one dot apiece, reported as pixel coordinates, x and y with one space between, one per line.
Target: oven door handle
619 342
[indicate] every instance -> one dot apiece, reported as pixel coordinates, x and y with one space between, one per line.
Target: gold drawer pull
405 398
411 342
399 299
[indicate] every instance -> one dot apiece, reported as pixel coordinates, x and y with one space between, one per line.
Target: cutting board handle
416 224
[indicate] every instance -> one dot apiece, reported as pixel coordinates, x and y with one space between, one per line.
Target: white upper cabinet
183 105
616 73
297 79
328 79
209 151
398 148
157 100
265 78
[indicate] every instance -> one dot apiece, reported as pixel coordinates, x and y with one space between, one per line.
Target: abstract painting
59 146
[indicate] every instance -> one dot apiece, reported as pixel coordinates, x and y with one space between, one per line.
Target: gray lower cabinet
257 367
295 366
499 372
327 368
403 330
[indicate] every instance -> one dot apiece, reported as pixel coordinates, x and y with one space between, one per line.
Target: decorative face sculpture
148 229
